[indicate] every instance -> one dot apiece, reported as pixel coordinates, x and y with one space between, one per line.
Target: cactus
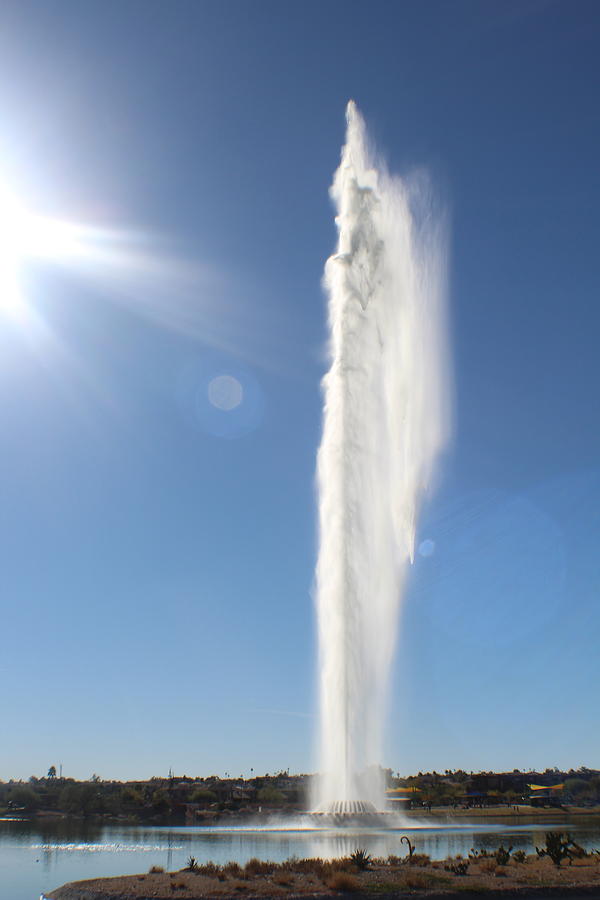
559 846
458 867
502 855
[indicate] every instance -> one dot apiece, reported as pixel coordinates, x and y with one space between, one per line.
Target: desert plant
312 866
361 859
502 856
519 856
419 859
577 851
156 870
342 881
558 847
256 866
411 849
208 868
457 866
478 854
232 868
192 864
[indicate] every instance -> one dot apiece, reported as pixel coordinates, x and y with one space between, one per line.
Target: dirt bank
317 879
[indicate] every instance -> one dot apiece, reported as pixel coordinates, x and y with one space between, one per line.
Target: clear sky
156 551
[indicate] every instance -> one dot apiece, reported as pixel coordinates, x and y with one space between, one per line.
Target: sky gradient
158 552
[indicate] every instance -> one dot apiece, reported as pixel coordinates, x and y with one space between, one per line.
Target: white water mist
385 422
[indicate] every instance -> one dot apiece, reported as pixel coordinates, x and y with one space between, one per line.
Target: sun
24 236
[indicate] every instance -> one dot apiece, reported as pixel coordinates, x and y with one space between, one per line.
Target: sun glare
24 236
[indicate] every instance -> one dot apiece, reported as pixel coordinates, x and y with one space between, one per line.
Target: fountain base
349 812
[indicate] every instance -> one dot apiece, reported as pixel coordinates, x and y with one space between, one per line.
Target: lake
38 857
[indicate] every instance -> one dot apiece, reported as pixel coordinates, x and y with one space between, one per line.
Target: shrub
419 859
558 847
24 796
502 856
232 868
343 881
270 796
258 867
361 859
310 866
457 866
208 868
192 865
156 870
201 795
519 856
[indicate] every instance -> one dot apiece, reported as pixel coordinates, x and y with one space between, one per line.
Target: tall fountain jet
386 419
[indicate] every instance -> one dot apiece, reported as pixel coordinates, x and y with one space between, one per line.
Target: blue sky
158 554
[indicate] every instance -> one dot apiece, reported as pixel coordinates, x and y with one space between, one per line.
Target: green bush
24 796
270 796
202 795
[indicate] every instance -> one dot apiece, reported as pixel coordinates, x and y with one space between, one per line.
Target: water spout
385 422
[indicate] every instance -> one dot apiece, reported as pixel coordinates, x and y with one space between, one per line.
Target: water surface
38 857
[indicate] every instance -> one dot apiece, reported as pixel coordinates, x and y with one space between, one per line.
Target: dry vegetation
480 872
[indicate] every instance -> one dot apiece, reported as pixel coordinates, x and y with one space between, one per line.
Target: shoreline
438 815
492 874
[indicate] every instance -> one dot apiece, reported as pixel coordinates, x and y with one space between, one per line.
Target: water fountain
385 423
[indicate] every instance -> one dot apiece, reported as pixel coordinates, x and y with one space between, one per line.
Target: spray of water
385 421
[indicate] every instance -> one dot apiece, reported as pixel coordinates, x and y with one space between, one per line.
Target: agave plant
361 859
